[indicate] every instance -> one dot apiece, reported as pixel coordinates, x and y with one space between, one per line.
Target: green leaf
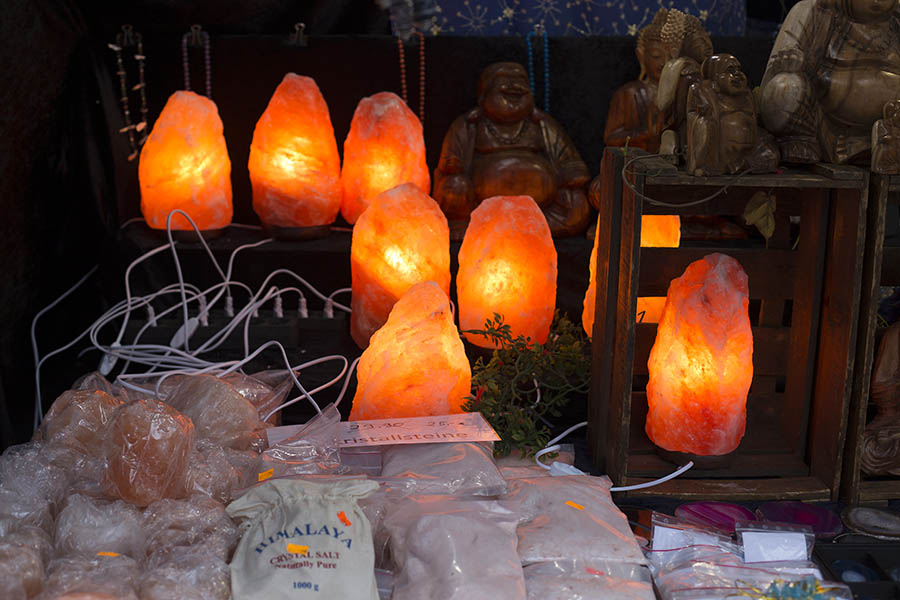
760 211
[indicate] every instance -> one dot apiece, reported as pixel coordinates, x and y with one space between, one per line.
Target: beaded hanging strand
403 88
541 33
196 37
129 37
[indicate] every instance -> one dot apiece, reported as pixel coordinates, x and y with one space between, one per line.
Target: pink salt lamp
383 149
701 363
415 365
294 164
400 240
507 265
657 231
184 165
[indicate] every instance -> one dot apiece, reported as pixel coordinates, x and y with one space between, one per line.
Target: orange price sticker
574 505
297 549
266 474
113 554
591 571
342 516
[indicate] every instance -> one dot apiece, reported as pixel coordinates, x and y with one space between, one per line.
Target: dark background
66 186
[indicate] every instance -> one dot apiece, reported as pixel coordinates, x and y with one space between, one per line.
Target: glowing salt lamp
400 240
384 148
657 231
701 363
416 365
184 165
294 164
507 265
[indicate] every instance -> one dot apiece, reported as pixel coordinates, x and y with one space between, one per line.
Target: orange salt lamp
416 365
657 231
701 363
400 240
383 149
184 165
507 265
294 164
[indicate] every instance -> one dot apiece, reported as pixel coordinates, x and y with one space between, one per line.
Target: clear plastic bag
199 525
314 449
577 580
266 390
86 526
452 548
12 585
218 410
23 556
29 470
91 578
764 541
571 517
517 466
217 472
147 451
195 576
385 581
669 532
455 468
78 420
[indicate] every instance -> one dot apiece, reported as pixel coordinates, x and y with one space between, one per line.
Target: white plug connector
278 308
204 312
151 316
184 332
302 310
109 360
328 311
229 306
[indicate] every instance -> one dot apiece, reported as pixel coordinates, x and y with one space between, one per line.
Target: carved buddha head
652 52
504 94
724 71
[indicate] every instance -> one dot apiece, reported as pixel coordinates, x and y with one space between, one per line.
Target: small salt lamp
657 231
416 365
184 165
400 240
383 149
701 363
507 265
294 164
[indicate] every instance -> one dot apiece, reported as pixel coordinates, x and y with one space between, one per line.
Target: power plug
302 310
557 468
184 332
109 360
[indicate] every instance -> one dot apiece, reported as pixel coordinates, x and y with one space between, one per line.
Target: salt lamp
400 240
507 265
383 149
415 365
184 165
657 231
701 363
294 164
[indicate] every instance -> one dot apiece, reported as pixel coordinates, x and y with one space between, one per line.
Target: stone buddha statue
634 116
886 141
834 66
722 134
508 147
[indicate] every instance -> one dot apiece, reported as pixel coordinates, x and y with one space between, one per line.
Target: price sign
464 427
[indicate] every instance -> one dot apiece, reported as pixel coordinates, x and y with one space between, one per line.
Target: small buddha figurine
886 141
881 438
508 147
634 115
722 134
834 66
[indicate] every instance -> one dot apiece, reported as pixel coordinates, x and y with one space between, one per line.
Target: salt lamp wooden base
704 463
297 233
189 235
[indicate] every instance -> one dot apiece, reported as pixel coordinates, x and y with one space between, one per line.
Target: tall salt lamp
416 365
384 148
184 165
400 240
294 164
701 363
657 231
507 265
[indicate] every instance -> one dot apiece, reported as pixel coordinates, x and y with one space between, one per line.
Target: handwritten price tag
464 427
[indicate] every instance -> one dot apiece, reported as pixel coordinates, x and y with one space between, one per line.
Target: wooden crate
882 268
804 313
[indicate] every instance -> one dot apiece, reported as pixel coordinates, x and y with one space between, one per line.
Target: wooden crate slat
783 488
770 349
878 490
767 270
742 465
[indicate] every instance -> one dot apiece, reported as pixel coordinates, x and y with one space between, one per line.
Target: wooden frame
804 328
882 267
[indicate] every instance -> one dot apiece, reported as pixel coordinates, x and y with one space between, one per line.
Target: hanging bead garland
127 38
539 32
403 87
196 37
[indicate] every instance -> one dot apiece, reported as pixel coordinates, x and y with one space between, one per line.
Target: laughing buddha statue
834 66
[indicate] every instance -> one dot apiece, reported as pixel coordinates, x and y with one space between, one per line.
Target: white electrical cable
552 445
646 484
38 405
347 381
